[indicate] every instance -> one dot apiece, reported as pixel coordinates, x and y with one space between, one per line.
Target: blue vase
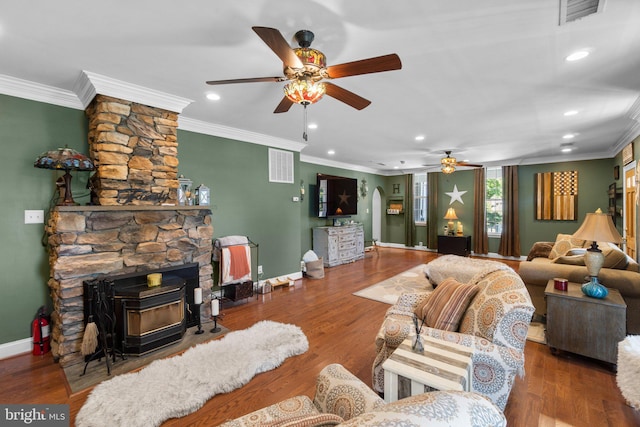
594 289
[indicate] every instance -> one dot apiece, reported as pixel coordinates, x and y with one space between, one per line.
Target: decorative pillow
446 305
564 243
613 256
540 250
314 420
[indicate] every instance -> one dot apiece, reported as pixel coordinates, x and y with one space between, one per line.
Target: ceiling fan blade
471 165
249 80
284 105
365 66
274 39
349 98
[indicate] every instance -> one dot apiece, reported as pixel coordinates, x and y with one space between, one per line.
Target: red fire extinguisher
40 332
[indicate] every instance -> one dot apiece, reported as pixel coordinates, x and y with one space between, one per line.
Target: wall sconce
364 190
301 190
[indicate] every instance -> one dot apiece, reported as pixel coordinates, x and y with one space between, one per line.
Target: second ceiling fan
448 164
306 70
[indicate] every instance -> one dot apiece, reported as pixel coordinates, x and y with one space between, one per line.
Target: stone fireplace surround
134 223
87 242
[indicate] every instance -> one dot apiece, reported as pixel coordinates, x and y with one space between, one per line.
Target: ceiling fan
306 70
448 164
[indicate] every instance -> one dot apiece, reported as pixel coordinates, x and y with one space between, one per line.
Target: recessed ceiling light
569 136
567 147
213 96
396 167
571 113
312 126
420 138
577 55
331 152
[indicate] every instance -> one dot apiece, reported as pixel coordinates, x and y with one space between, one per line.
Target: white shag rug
179 385
628 375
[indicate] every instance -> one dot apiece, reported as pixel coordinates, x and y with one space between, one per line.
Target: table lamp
66 159
450 215
597 227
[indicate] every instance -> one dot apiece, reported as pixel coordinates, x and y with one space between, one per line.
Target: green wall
594 177
243 201
28 129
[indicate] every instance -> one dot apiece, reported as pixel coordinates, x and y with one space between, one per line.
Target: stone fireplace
134 223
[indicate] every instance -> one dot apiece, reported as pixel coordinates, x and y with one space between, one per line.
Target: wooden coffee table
443 366
584 325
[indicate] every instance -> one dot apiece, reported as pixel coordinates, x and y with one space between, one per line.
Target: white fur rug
179 385
628 375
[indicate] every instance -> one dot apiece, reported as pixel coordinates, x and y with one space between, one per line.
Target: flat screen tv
337 196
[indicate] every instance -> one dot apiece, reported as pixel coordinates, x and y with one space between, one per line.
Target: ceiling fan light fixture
304 91
448 169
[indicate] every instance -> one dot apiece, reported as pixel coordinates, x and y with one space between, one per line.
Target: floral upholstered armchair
494 326
342 399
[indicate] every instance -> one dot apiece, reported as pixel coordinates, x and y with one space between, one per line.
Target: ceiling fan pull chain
304 124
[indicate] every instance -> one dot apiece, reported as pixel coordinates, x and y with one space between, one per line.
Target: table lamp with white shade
450 215
597 227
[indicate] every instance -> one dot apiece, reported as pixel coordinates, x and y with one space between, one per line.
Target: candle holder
215 312
216 328
200 330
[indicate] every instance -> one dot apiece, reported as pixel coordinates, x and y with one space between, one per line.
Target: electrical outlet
295 198
259 269
34 217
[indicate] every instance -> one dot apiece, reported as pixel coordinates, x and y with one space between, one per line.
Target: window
420 198
493 201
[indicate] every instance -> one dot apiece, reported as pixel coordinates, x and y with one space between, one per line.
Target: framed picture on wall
627 154
556 196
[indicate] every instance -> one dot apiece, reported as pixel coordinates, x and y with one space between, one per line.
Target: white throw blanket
179 385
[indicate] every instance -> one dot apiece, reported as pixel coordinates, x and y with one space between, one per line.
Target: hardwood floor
556 391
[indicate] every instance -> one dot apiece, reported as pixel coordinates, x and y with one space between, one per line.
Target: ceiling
487 80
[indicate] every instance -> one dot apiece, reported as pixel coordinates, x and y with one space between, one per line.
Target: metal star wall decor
455 195
344 198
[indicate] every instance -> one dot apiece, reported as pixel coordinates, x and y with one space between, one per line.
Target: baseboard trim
15 348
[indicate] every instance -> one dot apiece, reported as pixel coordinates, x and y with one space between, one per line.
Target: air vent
280 166
572 10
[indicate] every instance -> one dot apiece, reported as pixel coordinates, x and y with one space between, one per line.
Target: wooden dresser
339 245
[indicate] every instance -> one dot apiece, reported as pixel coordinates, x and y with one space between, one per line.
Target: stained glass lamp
66 159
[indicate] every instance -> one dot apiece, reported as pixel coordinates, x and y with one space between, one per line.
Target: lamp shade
451 214
598 227
64 159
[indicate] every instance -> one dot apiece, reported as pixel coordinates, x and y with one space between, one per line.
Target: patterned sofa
342 399
494 326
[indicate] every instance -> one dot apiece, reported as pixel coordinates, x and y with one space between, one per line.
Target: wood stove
142 318
150 318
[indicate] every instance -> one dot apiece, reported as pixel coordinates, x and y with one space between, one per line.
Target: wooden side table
455 245
443 366
583 325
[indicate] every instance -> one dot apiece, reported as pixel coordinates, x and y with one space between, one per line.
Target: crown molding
198 126
19 88
89 84
330 163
